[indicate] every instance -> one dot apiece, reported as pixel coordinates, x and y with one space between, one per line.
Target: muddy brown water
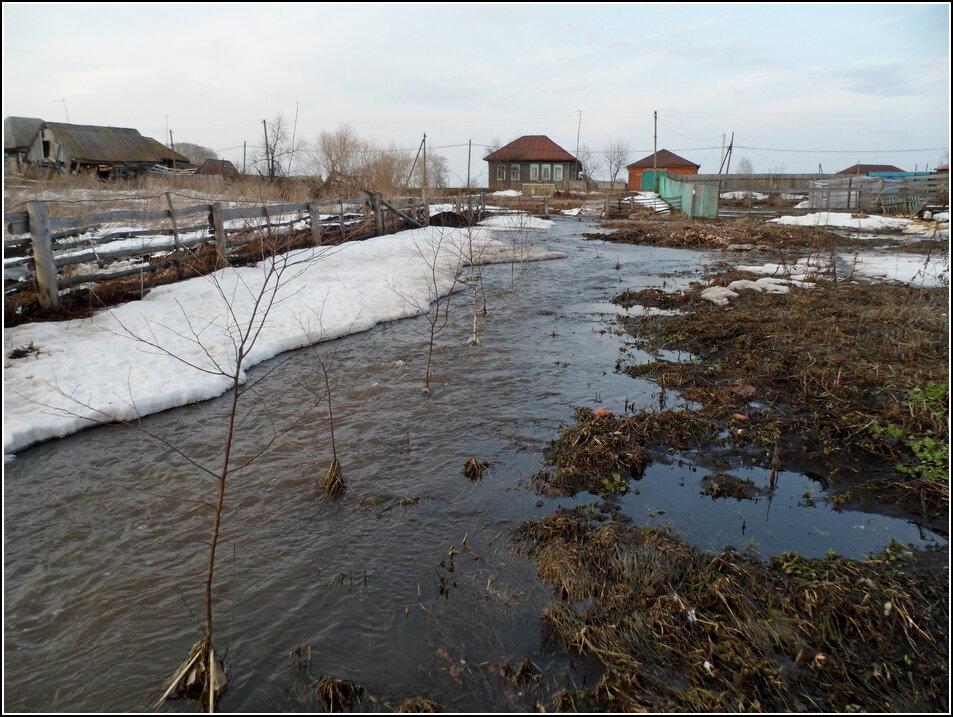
104 535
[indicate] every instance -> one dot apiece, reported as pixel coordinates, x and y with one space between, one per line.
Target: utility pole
731 146
271 170
172 147
469 152
655 151
426 190
244 154
578 130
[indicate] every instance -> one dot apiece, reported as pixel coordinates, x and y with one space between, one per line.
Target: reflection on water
105 530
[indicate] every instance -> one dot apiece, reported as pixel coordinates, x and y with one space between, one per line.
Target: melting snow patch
515 223
840 219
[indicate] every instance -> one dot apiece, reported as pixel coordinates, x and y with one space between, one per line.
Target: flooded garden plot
493 591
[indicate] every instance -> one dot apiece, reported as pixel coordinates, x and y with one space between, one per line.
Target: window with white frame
533 172
500 173
557 173
547 172
515 172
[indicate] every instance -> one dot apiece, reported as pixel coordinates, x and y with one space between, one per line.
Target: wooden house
533 160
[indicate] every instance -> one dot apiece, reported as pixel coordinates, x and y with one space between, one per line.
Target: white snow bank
505 193
515 222
912 269
574 212
842 219
91 370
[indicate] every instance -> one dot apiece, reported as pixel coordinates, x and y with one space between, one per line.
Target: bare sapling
474 281
444 263
331 481
218 345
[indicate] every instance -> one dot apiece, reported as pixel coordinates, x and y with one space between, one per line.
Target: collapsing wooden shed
107 151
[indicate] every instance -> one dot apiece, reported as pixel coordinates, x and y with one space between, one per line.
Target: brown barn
531 159
664 161
221 167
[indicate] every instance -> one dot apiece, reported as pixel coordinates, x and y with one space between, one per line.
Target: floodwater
408 584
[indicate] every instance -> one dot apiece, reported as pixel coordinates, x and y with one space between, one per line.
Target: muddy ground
849 382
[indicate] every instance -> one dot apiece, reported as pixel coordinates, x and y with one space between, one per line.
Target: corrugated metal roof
103 144
18 132
163 152
664 159
865 168
531 148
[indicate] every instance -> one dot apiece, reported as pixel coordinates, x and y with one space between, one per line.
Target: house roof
163 152
664 159
219 166
18 132
867 168
103 144
531 148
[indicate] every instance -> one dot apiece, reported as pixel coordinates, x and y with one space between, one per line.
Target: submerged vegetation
849 381
850 378
675 629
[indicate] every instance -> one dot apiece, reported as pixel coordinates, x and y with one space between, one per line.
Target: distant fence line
48 256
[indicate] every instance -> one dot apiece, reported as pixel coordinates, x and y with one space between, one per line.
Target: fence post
341 218
175 234
378 215
314 217
218 227
44 270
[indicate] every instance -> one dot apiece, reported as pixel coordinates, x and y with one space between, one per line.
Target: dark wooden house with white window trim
531 160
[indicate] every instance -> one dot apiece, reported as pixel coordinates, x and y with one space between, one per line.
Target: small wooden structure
663 161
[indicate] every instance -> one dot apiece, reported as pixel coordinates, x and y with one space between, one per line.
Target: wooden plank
44 269
111 257
17 222
115 236
121 215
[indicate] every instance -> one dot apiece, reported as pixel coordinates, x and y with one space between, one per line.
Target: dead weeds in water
601 452
853 376
331 482
419 705
338 695
677 629
722 233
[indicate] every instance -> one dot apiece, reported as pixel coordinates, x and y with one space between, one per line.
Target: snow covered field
74 374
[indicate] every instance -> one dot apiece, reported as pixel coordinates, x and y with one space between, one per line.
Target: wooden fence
47 257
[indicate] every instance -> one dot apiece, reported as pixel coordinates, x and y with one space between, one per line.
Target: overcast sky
839 84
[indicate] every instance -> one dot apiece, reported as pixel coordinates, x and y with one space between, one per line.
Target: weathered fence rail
47 257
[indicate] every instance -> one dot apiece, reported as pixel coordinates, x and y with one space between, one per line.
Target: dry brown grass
720 233
837 365
676 629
